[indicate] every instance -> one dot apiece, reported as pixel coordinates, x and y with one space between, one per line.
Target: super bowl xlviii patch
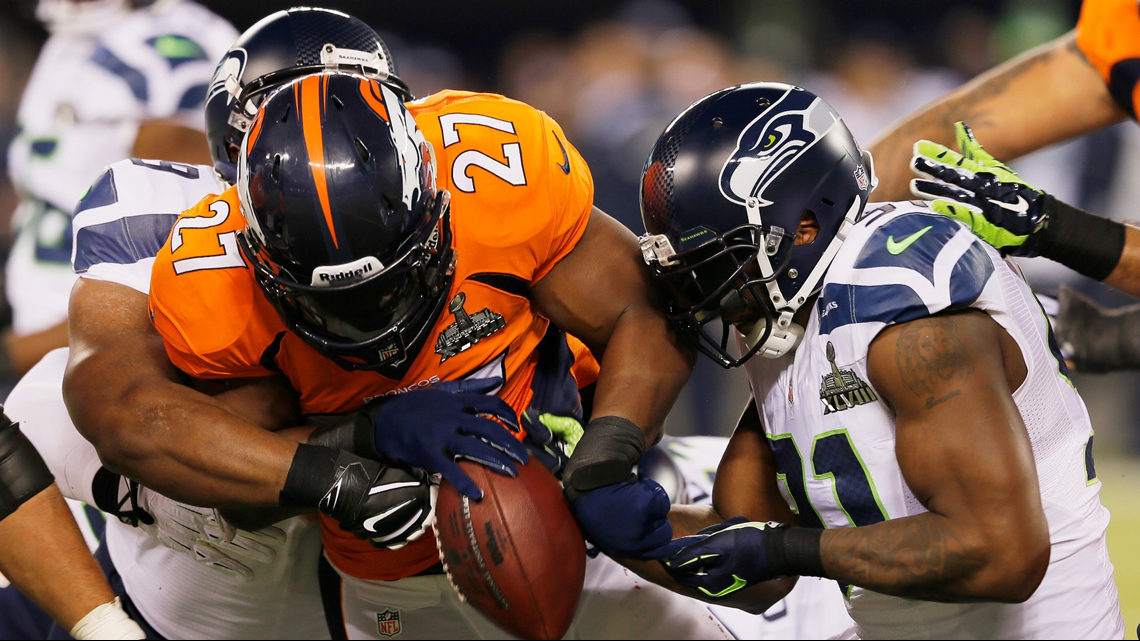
843 389
467 329
388 622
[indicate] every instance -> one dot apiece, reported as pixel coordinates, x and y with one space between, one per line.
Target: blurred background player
116 79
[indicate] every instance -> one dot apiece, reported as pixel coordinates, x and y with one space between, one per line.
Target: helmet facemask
361 321
721 280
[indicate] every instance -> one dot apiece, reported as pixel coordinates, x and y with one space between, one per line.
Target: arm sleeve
1108 34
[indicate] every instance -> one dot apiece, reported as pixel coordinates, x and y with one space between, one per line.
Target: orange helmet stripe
310 100
374 100
254 131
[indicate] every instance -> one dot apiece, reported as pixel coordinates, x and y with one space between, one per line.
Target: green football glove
982 192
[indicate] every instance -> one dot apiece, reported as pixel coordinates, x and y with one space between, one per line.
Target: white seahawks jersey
813 610
81 110
127 214
834 439
119 227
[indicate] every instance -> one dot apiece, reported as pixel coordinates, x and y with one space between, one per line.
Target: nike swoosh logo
737 583
565 164
370 523
1020 207
899 247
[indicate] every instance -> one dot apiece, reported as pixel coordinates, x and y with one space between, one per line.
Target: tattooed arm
964 452
1044 96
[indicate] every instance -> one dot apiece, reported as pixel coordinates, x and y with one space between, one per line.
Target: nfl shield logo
388 622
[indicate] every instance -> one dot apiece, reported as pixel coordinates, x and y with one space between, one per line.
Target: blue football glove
627 520
551 438
982 192
432 428
724 558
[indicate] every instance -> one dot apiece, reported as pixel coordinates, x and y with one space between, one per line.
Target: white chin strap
786 335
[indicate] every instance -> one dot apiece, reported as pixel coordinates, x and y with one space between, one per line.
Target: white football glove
207 537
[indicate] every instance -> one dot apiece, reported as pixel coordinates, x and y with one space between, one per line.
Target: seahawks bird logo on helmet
770 143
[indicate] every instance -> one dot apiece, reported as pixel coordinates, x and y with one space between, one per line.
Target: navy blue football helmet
347 235
280 47
722 195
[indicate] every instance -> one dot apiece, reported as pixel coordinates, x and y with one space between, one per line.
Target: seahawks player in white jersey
914 434
686 468
115 79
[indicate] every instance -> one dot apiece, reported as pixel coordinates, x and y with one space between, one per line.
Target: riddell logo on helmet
337 274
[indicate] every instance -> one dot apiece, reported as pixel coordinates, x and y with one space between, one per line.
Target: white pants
615 604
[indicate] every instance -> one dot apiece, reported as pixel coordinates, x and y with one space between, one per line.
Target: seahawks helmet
347 235
722 195
280 47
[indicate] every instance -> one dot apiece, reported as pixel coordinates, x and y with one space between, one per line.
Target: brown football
517 555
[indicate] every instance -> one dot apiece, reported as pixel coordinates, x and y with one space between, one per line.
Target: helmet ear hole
277 167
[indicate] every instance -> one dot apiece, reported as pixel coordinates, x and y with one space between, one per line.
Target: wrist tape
1086 243
795 551
23 473
606 455
353 432
108 621
313 469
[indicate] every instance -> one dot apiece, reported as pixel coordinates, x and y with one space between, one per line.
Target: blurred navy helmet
347 235
280 47
722 195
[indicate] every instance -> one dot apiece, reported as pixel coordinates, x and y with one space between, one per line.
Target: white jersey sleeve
126 216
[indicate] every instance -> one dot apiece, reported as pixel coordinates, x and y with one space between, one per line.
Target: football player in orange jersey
532 238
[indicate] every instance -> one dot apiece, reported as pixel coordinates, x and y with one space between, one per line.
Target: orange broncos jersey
1108 34
521 196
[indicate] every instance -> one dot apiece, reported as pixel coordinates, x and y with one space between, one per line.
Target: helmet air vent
362 150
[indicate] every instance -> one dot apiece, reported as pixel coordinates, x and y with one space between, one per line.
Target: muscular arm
131 403
745 486
964 452
1004 106
603 294
45 556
